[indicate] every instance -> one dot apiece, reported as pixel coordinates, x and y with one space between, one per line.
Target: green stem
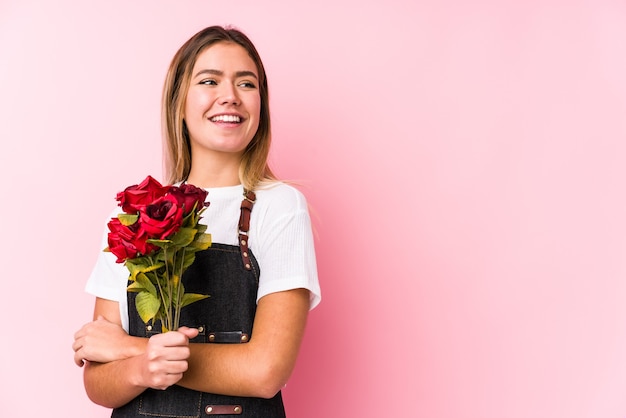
156 277
178 295
167 307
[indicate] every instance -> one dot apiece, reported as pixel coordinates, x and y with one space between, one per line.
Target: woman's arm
158 362
104 340
261 367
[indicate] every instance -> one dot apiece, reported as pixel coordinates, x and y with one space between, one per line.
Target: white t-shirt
280 238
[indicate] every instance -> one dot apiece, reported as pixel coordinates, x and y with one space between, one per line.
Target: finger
189 332
79 333
176 353
78 360
170 339
175 365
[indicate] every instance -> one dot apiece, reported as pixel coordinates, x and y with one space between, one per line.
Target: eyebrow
238 74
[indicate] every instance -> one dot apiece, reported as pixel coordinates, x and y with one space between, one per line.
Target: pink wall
465 165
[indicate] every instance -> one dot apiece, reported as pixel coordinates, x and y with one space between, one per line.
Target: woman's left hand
101 341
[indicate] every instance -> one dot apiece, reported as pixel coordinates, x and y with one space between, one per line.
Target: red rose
134 198
161 218
187 196
127 241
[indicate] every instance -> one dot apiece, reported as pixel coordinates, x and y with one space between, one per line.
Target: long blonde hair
254 167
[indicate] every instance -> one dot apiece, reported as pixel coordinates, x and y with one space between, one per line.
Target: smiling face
223 103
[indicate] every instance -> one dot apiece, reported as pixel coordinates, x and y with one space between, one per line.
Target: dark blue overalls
230 275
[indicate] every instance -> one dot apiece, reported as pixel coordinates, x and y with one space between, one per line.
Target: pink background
465 165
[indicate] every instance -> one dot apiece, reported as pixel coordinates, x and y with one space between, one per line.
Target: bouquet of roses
156 237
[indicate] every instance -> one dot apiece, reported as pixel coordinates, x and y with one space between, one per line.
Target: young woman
239 346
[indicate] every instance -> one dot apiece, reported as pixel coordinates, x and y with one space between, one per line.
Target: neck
214 172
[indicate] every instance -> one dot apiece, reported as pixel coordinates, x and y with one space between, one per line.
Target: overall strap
244 226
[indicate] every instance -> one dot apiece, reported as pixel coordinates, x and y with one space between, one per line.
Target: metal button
245 254
149 327
247 266
243 242
200 329
237 410
212 337
244 338
209 409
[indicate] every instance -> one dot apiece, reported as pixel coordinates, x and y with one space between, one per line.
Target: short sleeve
108 279
283 244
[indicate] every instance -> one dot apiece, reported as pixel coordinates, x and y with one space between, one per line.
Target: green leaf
135 265
202 242
127 219
135 287
189 259
153 267
141 265
190 298
147 306
160 256
162 243
184 237
145 282
189 219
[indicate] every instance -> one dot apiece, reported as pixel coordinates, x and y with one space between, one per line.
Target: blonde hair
254 168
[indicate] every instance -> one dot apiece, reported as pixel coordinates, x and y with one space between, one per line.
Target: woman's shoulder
280 192
281 197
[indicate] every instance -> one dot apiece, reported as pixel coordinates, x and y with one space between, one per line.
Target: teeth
226 118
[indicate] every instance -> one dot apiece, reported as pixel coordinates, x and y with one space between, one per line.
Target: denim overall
230 275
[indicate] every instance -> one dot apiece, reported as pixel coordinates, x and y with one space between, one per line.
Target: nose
228 95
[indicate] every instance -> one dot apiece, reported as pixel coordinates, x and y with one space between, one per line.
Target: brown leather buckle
223 409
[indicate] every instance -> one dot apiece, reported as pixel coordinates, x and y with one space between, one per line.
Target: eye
208 82
247 84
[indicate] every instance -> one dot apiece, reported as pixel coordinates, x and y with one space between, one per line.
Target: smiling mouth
226 118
